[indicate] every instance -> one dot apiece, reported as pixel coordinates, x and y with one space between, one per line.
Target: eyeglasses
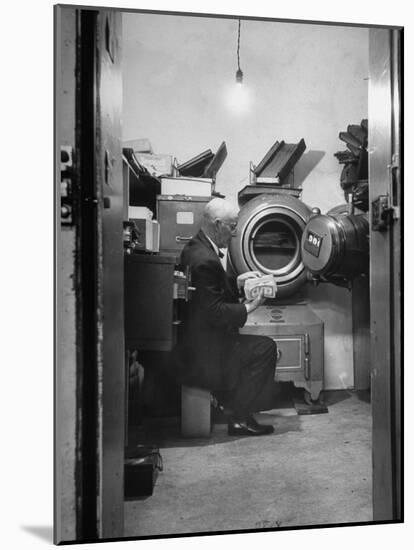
231 225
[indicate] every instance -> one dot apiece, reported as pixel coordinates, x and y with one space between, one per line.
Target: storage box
157 165
149 234
196 166
278 162
199 187
141 468
205 164
140 212
180 219
140 145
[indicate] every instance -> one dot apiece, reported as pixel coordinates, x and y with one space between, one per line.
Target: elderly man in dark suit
214 355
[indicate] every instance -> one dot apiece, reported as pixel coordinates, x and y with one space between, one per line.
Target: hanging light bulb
238 98
239 72
239 76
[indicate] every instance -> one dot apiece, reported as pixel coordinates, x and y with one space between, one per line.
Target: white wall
303 81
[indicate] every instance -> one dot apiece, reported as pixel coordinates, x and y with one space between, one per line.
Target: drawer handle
307 368
183 239
307 344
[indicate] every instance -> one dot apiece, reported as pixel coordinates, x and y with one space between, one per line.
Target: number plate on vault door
313 243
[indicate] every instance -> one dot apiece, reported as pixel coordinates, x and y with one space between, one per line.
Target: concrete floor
314 470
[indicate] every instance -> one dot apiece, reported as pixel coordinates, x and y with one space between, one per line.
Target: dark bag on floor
142 464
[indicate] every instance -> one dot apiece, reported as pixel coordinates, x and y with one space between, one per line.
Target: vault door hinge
386 208
66 185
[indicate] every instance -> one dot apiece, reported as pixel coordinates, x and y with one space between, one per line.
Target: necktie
223 259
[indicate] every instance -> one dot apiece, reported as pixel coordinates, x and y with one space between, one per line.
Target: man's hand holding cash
256 288
266 284
243 277
251 305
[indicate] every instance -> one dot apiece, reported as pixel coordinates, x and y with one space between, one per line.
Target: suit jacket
208 340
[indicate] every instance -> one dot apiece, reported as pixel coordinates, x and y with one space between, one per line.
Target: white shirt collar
213 244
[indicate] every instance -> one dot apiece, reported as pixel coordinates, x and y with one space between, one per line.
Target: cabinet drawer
290 353
179 219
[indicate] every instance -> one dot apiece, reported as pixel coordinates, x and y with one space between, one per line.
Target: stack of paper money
252 287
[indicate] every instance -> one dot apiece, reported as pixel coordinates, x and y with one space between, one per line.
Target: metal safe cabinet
149 304
299 335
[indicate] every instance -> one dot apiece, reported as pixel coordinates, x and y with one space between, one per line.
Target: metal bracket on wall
394 180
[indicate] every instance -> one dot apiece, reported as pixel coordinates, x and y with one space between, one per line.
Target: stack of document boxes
183 197
179 192
148 229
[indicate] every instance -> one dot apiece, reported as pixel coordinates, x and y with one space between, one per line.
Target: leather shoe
215 403
248 426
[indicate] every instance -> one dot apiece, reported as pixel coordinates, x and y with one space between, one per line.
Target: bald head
220 221
219 209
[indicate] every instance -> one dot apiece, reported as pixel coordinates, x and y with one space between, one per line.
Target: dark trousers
253 363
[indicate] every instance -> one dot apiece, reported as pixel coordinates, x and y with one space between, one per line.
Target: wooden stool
195 412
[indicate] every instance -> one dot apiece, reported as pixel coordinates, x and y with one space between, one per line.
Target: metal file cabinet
180 219
299 335
149 306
